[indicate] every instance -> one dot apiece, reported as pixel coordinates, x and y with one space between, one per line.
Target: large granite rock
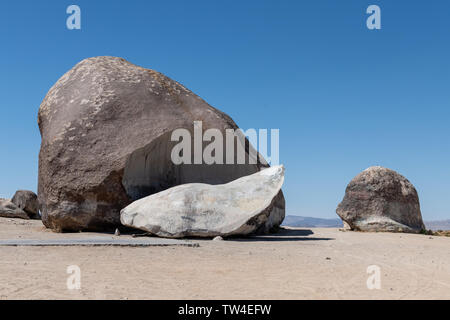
380 199
10 210
239 207
106 129
27 201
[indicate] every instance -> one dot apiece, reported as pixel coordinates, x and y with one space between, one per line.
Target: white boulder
240 207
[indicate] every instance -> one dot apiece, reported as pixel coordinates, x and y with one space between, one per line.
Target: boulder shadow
283 235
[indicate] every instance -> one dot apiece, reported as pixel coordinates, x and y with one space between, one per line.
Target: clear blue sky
344 97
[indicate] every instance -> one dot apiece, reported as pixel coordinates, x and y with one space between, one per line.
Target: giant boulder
106 129
239 207
380 199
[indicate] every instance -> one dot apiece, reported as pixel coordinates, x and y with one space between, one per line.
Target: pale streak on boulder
10 210
239 207
380 199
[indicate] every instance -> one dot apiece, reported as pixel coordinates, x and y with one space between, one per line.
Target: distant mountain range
310 222
438 225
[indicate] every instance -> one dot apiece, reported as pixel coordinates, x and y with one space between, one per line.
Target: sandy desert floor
294 264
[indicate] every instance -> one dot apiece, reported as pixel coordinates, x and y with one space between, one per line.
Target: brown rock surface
380 199
27 201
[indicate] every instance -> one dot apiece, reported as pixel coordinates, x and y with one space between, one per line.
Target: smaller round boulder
27 201
380 199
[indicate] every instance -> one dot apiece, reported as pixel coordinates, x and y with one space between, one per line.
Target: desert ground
293 264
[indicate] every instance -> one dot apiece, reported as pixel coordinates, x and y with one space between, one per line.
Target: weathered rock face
240 207
380 199
27 201
10 210
106 130
276 216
